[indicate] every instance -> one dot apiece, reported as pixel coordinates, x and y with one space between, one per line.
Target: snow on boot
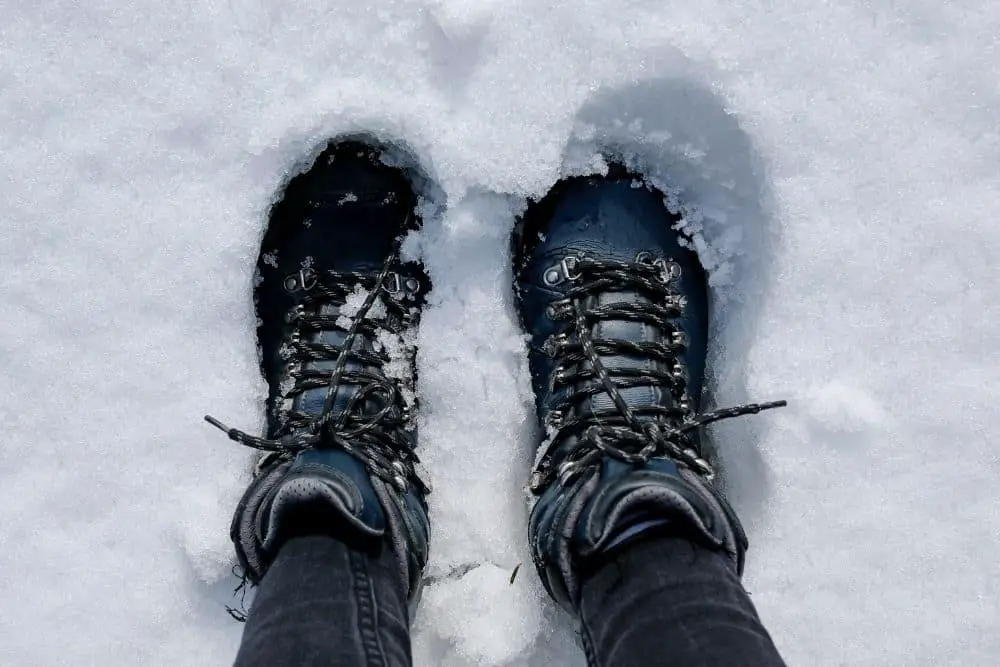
616 307
337 311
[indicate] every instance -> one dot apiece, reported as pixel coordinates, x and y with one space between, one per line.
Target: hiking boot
616 305
337 312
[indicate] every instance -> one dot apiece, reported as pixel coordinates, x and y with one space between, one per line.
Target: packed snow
836 163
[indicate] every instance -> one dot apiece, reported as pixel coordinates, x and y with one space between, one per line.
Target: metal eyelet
558 377
562 271
551 276
644 257
669 269
305 279
678 372
568 264
677 302
309 278
555 418
558 309
393 283
679 338
554 345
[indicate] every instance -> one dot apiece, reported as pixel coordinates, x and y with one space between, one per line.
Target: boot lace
632 434
379 438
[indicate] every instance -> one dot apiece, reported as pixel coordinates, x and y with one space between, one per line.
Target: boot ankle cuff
593 518
293 499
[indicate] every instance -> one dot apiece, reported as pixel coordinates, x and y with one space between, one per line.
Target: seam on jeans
367 611
588 645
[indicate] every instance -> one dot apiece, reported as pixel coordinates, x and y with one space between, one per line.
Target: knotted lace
376 437
630 433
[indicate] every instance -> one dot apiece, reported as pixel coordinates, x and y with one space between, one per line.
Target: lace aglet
231 432
727 413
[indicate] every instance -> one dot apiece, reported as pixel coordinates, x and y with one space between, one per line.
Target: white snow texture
838 162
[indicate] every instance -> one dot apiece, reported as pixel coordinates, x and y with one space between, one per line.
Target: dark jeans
664 601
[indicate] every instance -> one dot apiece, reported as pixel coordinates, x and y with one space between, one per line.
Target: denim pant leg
322 603
668 601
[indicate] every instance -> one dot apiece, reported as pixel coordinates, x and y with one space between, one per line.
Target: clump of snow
398 350
353 303
411 249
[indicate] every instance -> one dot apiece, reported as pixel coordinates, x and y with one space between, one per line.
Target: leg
629 531
322 603
670 597
333 528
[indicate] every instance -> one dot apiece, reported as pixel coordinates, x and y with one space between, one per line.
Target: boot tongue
311 401
631 331
562 263
557 269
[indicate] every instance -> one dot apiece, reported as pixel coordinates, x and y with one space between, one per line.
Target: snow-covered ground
842 162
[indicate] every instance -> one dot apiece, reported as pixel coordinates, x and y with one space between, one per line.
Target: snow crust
837 163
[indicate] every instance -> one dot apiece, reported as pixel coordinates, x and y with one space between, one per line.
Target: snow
353 303
837 161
